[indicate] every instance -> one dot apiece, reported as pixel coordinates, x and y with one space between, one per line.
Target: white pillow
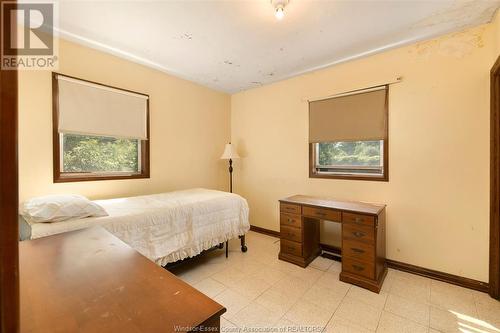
56 208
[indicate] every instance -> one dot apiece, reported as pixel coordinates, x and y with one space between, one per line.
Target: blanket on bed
166 227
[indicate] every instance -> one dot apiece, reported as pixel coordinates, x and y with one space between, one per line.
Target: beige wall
437 196
189 127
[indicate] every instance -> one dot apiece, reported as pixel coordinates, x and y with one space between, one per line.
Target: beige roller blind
93 109
349 117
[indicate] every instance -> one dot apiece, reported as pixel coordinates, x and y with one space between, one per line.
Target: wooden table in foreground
90 281
363 236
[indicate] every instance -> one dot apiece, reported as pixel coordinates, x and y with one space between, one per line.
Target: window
100 132
84 154
348 136
356 158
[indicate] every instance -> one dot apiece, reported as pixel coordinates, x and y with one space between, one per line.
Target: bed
165 227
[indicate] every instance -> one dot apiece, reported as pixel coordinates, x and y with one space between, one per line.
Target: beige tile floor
260 291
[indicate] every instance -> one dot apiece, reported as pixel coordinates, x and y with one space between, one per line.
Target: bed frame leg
227 248
243 245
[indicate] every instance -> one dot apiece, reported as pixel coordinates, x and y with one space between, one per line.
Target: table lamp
230 154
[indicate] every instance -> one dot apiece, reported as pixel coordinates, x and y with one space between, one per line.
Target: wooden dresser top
91 281
350 206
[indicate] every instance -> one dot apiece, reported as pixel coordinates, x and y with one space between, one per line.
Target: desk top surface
351 206
90 281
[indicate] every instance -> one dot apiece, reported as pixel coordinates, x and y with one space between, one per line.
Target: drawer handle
289 220
358 234
359 251
290 248
320 213
290 208
358 268
358 220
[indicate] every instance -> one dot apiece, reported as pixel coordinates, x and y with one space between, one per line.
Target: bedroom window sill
62 178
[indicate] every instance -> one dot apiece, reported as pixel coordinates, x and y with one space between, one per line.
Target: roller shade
349 117
92 109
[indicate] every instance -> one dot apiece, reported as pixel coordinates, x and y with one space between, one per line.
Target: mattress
165 227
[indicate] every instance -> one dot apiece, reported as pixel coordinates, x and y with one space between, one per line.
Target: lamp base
230 175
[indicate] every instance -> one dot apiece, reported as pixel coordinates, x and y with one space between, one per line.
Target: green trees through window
96 154
348 154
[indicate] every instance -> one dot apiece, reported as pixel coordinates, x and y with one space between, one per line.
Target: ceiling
236 45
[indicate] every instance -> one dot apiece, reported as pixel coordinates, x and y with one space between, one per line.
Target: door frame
494 278
9 226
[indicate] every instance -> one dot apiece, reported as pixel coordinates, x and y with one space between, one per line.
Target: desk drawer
290 247
358 232
289 208
321 213
358 250
291 220
358 267
291 233
358 219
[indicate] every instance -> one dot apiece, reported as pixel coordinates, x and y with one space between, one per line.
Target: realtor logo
28 36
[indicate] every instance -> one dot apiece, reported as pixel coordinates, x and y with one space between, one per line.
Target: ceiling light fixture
279 7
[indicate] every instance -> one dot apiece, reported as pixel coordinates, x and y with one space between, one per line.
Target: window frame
313 173
62 177
385 176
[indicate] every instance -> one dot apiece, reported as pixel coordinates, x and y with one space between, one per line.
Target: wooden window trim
384 178
60 177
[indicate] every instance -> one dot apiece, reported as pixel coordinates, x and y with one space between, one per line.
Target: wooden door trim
9 233
494 268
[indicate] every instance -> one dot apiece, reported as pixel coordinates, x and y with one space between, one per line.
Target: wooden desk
90 281
363 236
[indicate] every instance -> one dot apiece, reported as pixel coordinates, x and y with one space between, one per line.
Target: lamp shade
229 152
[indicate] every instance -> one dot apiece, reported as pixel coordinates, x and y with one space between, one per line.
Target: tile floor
262 292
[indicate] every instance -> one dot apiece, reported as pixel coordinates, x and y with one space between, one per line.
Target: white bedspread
166 227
